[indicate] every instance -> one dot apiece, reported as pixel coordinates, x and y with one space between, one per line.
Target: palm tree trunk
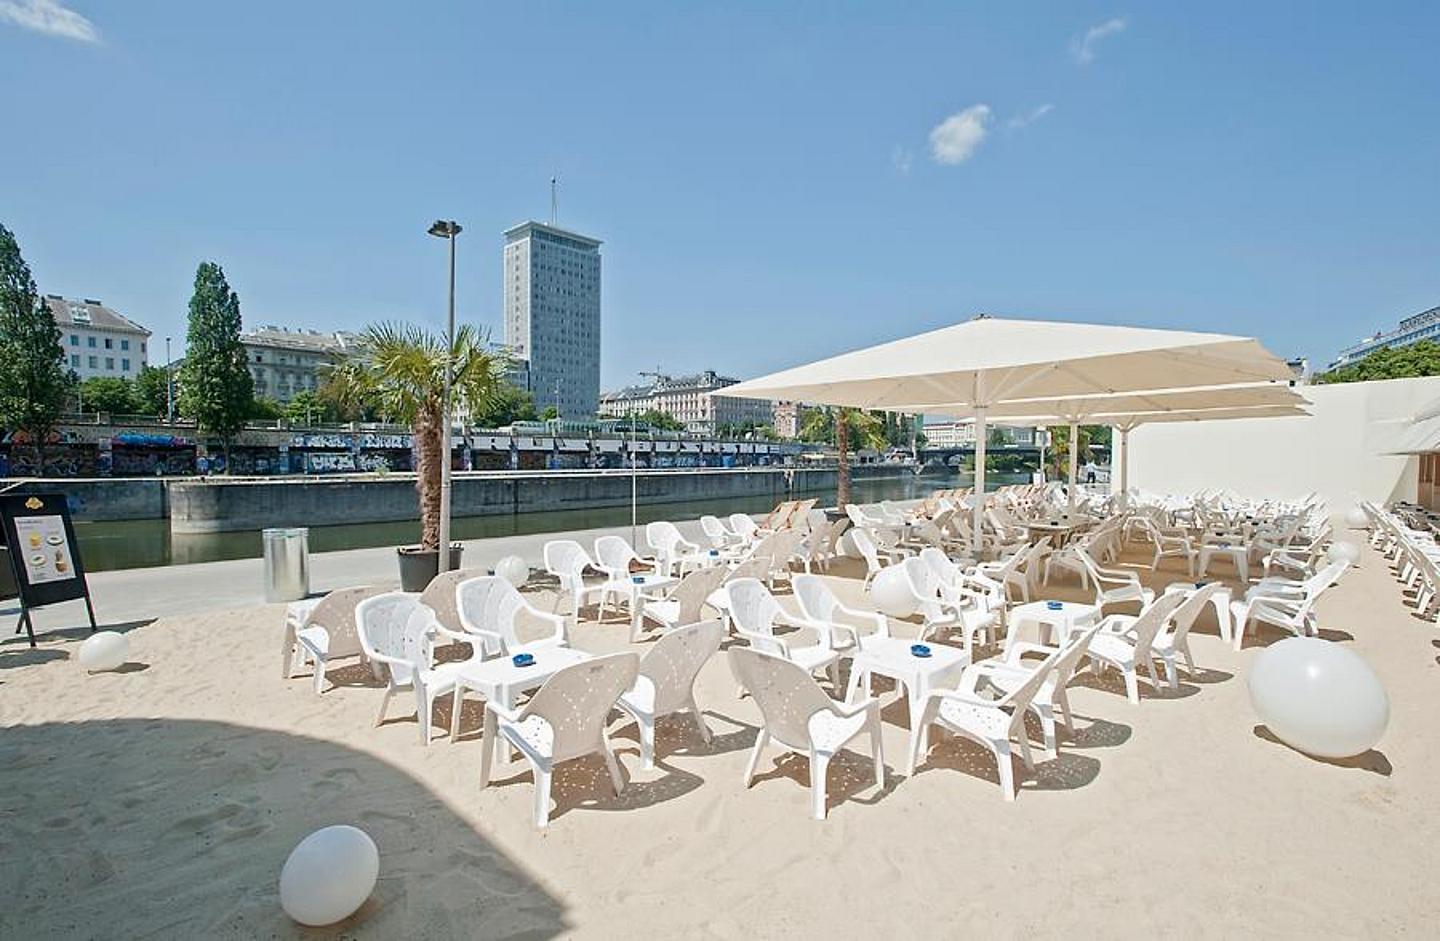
427 474
842 442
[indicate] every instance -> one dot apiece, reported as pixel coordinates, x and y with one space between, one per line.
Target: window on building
90 342
74 360
109 343
110 363
124 344
74 340
124 365
93 363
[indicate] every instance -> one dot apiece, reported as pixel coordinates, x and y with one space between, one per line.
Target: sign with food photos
44 554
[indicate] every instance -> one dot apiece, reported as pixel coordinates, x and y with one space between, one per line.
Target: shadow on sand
1373 760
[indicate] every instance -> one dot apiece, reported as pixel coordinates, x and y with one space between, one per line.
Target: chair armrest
845 710
1021 648
751 637
463 637
509 715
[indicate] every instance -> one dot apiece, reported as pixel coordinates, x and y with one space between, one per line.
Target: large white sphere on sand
890 590
104 651
329 875
1356 518
514 570
1343 551
1319 697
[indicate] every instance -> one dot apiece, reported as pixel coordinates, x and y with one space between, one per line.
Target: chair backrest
751 605
336 613
817 602
1150 620
577 700
1070 654
566 559
832 538
857 515
1189 610
715 531
393 625
778 516
787 695
743 525
865 544
1324 578
488 605
439 595
675 660
663 536
694 588
614 555
925 585
940 563
750 568
817 521
1020 697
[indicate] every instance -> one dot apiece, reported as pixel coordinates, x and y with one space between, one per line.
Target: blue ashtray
638 579
1200 585
523 659
920 650
714 552
1055 605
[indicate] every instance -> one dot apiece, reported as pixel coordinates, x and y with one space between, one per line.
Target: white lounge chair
490 608
565 719
799 717
567 560
325 632
1126 642
666 682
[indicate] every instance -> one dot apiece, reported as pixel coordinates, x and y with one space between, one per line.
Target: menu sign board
43 553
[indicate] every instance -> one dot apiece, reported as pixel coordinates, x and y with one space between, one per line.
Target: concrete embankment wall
221 505
103 500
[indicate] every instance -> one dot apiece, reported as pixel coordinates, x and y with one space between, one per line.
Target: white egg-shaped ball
329 875
891 593
514 570
1343 552
846 546
1357 518
104 651
1319 697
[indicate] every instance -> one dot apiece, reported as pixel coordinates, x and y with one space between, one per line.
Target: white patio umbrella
1125 410
987 362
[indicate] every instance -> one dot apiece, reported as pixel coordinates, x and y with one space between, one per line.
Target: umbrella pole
979 496
1124 467
1074 462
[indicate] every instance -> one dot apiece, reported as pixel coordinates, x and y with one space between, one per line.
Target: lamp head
443 229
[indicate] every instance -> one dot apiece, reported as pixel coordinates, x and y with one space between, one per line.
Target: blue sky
773 182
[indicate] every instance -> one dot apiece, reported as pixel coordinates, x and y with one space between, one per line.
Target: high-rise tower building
552 314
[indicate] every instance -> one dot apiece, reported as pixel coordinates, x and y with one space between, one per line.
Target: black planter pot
418 567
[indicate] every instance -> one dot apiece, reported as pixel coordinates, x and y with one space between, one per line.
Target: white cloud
1082 48
902 159
1029 117
955 139
49 17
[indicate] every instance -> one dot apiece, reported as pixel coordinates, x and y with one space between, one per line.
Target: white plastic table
1238 552
648 586
1070 615
918 675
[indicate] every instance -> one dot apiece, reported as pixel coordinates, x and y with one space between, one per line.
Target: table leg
488 736
455 711
637 614
1222 616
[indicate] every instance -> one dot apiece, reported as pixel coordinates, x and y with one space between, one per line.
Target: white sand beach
161 801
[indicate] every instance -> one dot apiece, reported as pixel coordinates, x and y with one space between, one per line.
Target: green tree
215 384
550 412
996 438
150 392
1057 459
400 370
511 404
1398 362
263 408
659 420
307 408
839 426
33 377
110 394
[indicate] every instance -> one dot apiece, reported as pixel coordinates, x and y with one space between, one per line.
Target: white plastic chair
720 537
799 717
396 632
565 719
870 550
1113 586
666 682
1051 699
1283 605
1174 643
686 604
490 607
567 560
745 527
673 552
755 614
616 558
325 633
944 608
821 611
990 722
1126 642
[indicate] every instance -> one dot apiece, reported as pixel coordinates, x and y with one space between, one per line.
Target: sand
162 800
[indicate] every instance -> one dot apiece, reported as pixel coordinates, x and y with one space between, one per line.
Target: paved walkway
129 595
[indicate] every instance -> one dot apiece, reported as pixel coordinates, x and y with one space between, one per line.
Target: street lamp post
169 386
446 230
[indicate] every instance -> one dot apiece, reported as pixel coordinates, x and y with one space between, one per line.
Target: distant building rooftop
310 340
524 229
90 313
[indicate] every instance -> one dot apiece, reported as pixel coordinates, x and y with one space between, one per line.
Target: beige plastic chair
565 719
328 632
666 682
686 604
799 717
439 596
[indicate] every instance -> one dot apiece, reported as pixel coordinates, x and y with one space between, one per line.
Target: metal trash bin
287 563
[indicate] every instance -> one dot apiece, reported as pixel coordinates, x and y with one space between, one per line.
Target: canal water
147 543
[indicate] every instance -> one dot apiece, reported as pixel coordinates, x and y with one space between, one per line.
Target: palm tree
1059 456
867 428
399 370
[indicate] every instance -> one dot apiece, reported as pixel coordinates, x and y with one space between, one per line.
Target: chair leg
1024 739
542 795
613 766
761 741
1046 711
819 764
700 721
319 676
647 741
384 701
877 752
1005 768
1172 678
1132 685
